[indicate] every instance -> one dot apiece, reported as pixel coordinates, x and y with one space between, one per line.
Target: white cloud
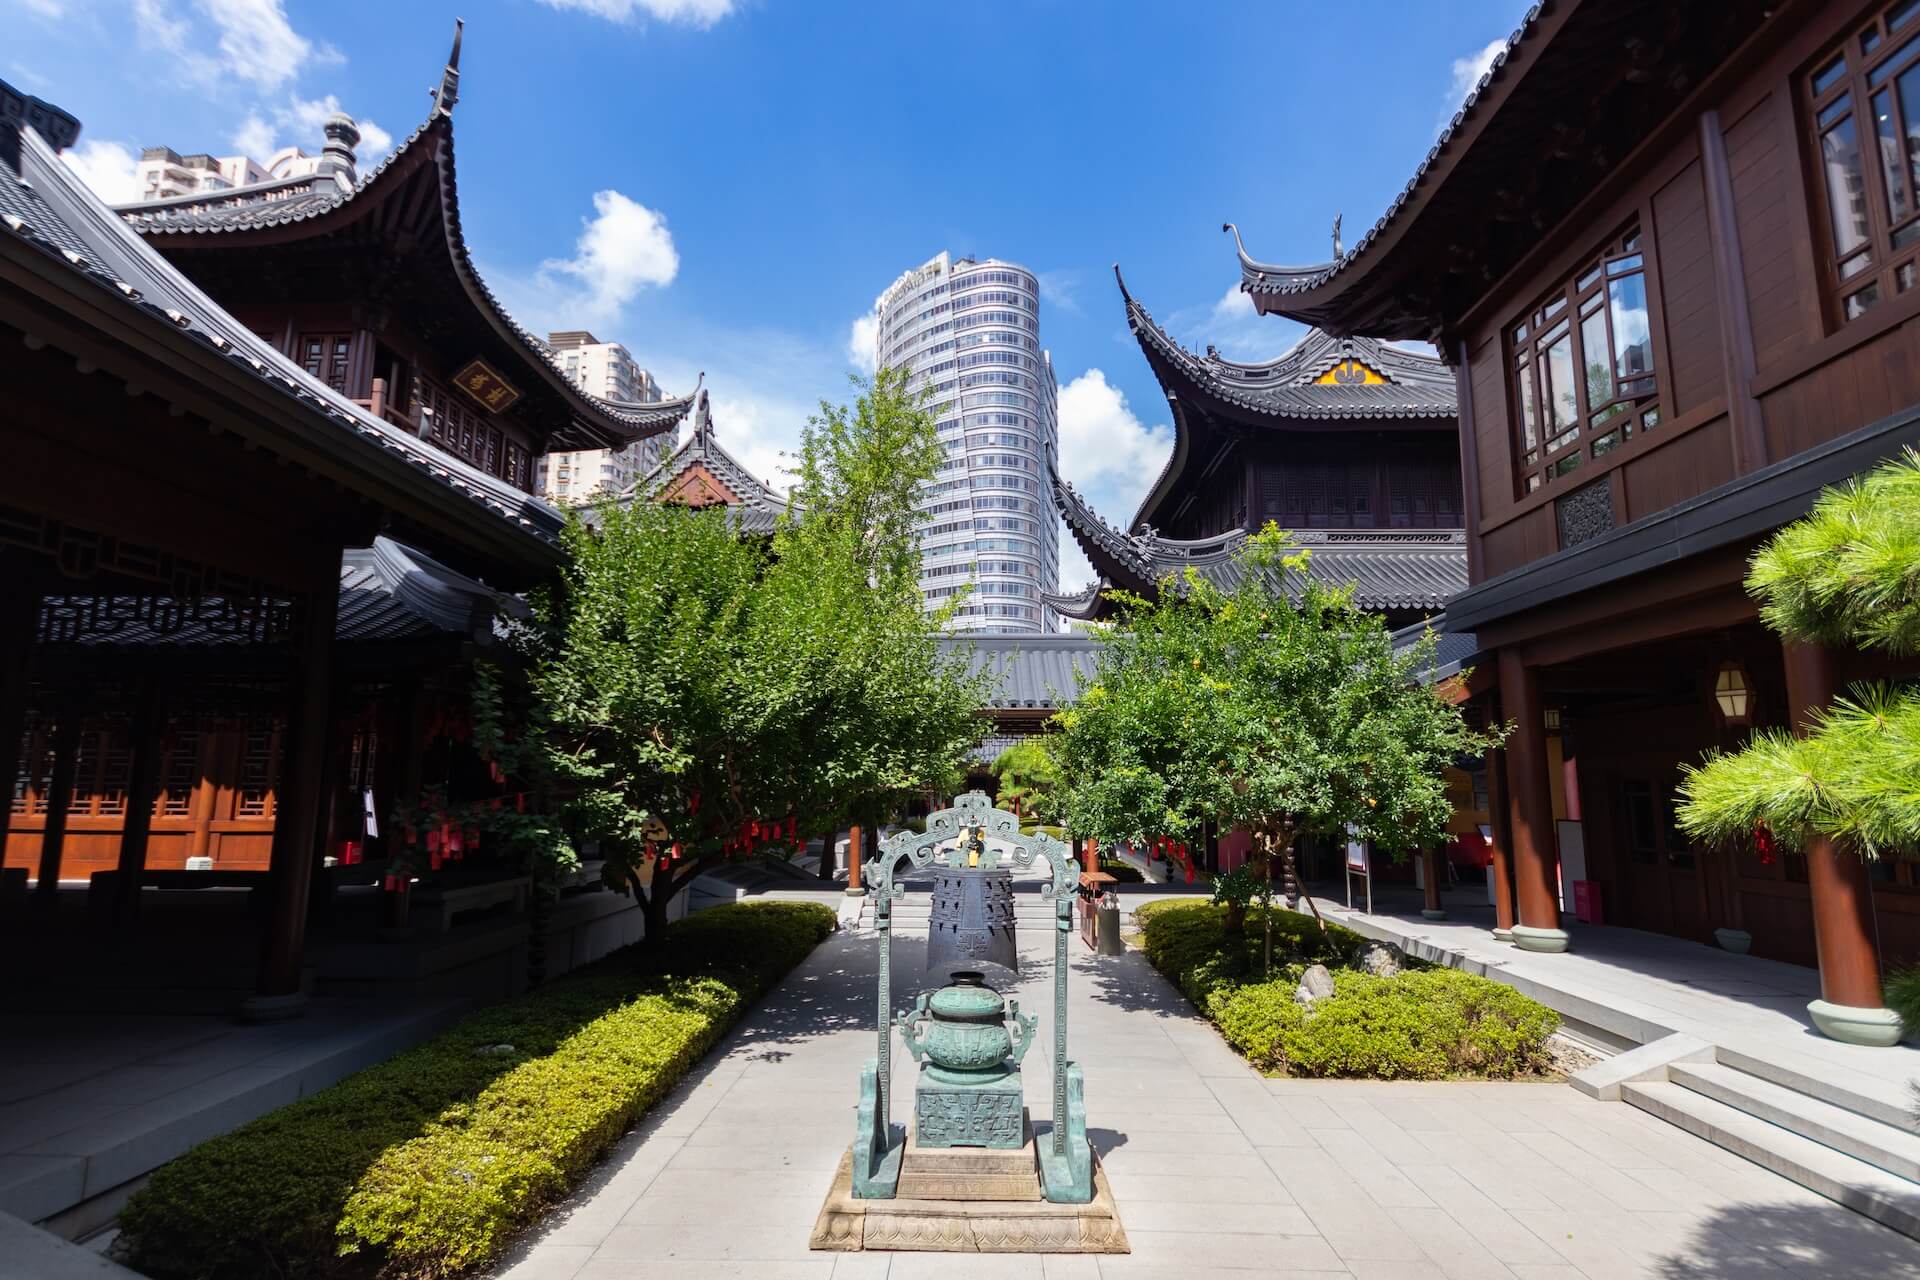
46 8
111 169
1105 450
1061 289
692 13
1468 70
256 42
1233 327
623 248
863 342
299 123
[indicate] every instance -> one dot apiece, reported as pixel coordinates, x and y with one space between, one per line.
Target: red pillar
853 860
1535 860
1850 1007
1500 817
1432 871
297 813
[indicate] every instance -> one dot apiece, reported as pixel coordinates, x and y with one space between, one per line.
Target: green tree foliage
1278 706
1027 776
701 695
1846 574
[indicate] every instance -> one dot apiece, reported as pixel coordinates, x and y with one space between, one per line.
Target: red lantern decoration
1763 844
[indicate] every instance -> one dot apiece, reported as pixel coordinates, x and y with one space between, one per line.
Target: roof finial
1336 236
449 91
1238 243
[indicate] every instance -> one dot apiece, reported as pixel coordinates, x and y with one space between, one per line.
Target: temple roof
702 473
1578 85
47 211
318 204
1321 378
1389 569
1032 673
1322 383
388 592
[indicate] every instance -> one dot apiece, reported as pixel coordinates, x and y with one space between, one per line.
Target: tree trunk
654 904
1266 908
1293 878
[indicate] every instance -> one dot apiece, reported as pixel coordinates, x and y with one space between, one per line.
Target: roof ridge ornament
449 91
1337 254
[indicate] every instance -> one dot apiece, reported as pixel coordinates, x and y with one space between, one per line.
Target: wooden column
297 809
1535 860
143 786
53 837
1745 428
1469 461
1850 1007
1434 868
853 859
1501 865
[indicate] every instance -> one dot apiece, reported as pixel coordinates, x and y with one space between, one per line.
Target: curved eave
600 423
1111 552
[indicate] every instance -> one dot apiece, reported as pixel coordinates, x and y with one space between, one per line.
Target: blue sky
726 185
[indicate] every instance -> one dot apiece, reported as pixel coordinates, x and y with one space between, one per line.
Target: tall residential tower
970 329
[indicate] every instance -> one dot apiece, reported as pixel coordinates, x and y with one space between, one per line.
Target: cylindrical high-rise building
970 329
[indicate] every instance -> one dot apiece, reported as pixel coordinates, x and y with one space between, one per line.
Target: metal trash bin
1107 924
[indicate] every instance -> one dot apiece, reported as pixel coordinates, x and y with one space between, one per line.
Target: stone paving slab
1214 1169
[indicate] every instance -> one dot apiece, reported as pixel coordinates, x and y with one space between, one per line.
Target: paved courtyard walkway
1215 1169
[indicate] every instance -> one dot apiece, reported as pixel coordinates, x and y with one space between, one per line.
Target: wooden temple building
268 498
1670 251
1349 443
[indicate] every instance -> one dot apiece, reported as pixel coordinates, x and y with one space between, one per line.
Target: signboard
486 387
1358 865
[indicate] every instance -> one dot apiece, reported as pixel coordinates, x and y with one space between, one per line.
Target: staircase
1859 1151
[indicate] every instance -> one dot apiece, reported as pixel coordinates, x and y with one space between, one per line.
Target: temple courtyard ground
1216 1170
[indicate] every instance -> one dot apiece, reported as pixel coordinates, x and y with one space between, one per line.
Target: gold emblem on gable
1350 373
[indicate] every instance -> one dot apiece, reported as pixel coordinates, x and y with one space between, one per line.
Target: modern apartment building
607 370
164 173
970 329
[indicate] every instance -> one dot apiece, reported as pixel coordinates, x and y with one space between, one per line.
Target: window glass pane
1828 76
1562 408
1650 419
1855 265
1904 276
1632 336
1592 274
1593 352
1869 40
1901 14
1834 110
1909 86
1527 419
1615 267
1858 304
1569 463
1846 187
1893 166
1892 62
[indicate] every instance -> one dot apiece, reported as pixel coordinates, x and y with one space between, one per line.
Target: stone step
1881 1100
1867 1189
1895 1150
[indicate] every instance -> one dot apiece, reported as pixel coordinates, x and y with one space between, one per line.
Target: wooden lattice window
180 774
1582 363
259 769
324 355
1862 105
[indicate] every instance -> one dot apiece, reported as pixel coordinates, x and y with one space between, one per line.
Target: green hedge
429 1162
1425 1023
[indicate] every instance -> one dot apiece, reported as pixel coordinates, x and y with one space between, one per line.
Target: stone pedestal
971 1173
1029 1225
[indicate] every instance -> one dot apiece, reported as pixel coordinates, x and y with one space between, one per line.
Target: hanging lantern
1733 694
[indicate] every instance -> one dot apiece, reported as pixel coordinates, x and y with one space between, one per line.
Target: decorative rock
495 1051
1381 959
1315 984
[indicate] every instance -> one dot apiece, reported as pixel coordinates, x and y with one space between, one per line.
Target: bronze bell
972 921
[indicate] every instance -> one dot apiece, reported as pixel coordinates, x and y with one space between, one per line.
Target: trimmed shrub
429 1162
1425 1023
1122 872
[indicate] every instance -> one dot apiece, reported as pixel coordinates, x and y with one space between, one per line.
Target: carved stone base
970 1173
967 1226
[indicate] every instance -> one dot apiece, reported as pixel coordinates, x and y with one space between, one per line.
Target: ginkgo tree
1846 574
1277 706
